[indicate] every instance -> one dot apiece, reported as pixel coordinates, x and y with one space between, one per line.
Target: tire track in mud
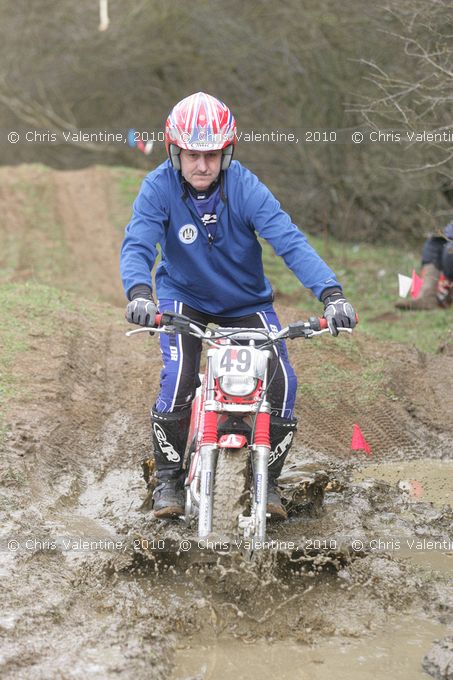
60 452
405 415
82 207
58 229
75 614
70 468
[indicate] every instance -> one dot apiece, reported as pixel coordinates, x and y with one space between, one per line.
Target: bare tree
417 93
286 66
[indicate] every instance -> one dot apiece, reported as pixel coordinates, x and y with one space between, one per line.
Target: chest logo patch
188 233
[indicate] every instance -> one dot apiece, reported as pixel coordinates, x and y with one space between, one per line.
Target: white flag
103 15
404 285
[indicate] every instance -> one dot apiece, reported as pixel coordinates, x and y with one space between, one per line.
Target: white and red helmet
200 122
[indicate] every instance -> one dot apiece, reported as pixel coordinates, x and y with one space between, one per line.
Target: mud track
70 471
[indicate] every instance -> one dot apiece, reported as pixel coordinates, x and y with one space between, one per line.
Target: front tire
231 491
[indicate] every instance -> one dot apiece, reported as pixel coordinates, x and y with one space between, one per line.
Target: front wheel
231 491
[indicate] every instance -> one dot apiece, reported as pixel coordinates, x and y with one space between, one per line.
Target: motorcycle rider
437 274
206 212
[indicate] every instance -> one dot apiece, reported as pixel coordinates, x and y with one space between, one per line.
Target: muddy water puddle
219 615
429 481
429 560
395 652
112 496
423 484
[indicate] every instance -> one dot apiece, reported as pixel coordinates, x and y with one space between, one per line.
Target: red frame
223 398
204 424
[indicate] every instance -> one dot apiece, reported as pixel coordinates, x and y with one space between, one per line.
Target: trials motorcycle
229 444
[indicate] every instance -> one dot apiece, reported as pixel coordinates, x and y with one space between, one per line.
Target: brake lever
143 329
326 330
181 326
303 331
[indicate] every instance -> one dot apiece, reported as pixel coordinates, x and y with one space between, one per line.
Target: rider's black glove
141 309
338 312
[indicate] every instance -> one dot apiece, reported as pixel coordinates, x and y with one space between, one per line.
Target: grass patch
365 379
49 250
127 182
25 310
35 245
369 277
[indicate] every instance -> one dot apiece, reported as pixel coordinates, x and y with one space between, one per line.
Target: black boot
282 433
170 432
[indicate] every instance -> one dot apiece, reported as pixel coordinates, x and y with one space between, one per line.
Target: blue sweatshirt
225 278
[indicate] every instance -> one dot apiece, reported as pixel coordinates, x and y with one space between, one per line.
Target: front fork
256 524
261 450
208 457
260 460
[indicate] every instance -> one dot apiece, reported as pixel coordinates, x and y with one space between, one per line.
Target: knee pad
281 434
170 431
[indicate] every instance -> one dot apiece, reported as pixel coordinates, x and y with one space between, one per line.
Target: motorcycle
229 442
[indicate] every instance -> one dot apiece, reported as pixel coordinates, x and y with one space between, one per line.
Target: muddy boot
170 432
282 433
427 298
444 292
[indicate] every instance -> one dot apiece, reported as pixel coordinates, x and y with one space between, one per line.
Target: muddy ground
351 587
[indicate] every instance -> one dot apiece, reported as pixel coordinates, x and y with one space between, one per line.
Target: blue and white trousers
181 356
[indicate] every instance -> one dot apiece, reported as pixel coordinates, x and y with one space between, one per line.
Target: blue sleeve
145 230
264 213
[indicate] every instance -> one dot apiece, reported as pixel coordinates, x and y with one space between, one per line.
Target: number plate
239 361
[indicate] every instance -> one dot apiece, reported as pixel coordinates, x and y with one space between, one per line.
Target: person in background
437 274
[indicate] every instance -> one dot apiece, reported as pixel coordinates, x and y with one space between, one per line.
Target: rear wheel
231 491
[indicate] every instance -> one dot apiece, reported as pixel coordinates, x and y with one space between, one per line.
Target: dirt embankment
63 229
78 427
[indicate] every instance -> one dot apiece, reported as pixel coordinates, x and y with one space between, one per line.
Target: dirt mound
401 398
62 229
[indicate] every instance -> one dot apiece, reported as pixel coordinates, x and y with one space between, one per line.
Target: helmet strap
174 153
227 156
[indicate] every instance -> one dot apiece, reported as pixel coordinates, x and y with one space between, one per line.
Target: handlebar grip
179 322
304 329
323 322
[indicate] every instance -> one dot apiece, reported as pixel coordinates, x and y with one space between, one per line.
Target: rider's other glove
141 309
338 312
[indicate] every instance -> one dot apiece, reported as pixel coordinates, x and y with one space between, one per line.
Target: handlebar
315 323
172 323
